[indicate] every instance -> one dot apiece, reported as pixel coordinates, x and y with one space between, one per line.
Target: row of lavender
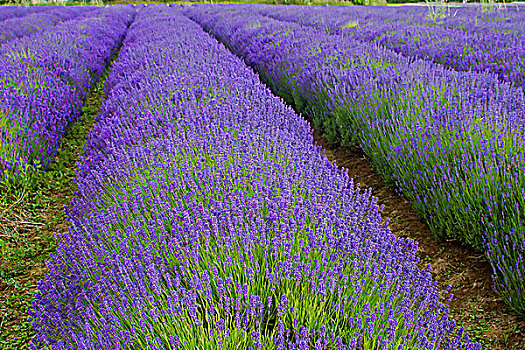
15 28
478 18
7 12
450 141
461 48
508 19
44 78
498 17
208 219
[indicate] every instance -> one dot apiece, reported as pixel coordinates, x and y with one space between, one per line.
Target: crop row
208 219
499 18
44 78
496 18
469 18
7 12
462 48
451 141
15 28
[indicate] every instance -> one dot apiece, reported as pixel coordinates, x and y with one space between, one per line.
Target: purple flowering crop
44 78
466 40
9 12
206 218
15 28
451 141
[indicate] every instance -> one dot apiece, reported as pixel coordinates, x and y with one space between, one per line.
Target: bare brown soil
475 306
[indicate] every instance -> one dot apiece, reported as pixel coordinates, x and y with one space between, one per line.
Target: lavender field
204 214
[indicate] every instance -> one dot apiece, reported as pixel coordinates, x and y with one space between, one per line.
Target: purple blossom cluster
451 141
458 44
7 12
207 218
15 28
504 19
469 18
44 78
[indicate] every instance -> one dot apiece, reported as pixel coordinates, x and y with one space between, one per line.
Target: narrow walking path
30 222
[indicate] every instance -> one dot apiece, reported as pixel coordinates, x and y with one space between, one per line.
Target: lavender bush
14 28
43 84
451 141
208 219
8 12
466 41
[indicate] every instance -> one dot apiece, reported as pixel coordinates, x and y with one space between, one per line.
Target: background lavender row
462 48
451 141
207 219
14 28
13 12
482 18
45 77
508 19
498 17
7 12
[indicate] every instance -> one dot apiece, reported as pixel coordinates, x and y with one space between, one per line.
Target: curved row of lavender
208 219
461 48
484 18
15 28
451 141
44 78
470 18
498 17
7 12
